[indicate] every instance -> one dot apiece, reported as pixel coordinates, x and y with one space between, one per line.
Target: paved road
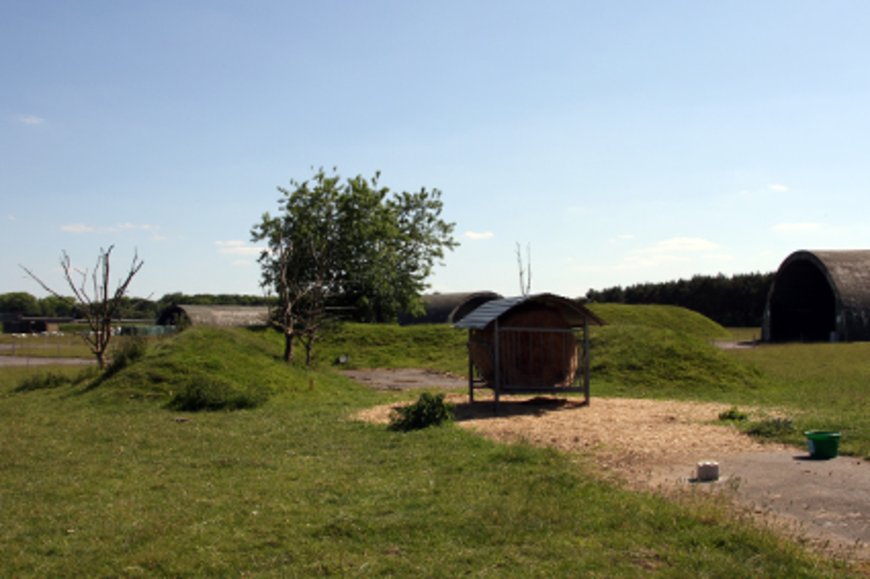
828 499
38 361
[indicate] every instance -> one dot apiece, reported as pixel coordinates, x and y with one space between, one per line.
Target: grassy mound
433 346
202 369
642 351
645 361
664 352
672 318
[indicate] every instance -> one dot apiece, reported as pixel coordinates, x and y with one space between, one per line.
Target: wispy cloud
479 235
31 120
778 187
77 228
674 250
237 247
82 228
799 227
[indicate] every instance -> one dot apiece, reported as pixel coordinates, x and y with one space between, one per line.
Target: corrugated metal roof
213 315
847 273
574 313
448 307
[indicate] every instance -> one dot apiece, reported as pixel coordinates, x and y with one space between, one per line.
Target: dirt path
651 444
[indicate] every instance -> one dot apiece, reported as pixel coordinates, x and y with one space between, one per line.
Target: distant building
223 316
448 308
18 324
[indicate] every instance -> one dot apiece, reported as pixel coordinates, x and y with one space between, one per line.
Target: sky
620 142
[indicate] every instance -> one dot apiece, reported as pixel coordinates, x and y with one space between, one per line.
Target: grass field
65 346
106 480
822 386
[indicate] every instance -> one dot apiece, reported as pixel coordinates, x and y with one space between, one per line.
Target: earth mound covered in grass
664 351
438 347
203 369
674 318
643 350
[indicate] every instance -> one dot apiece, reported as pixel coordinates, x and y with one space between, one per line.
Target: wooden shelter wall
543 354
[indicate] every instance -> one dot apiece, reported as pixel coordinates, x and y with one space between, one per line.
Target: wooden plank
539 330
497 367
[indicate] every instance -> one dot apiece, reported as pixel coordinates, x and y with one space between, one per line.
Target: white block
708 470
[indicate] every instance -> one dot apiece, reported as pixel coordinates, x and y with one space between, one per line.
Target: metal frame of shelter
577 319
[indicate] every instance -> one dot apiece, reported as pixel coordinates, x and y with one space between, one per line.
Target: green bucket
822 443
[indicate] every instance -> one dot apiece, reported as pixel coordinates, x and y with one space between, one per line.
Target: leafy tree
19 303
54 306
351 244
99 304
177 298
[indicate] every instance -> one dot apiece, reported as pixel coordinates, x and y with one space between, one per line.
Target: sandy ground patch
640 440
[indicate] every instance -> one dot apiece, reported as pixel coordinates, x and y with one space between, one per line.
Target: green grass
673 318
204 368
650 362
437 347
37 346
745 334
819 386
107 481
65 346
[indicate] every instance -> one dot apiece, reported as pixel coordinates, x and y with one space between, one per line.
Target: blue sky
624 141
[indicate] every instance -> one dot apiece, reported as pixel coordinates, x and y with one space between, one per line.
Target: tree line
736 301
132 308
731 301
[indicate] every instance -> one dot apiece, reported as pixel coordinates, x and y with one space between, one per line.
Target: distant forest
732 301
736 301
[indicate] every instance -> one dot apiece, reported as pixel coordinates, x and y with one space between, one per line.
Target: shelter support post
497 366
586 360
470 371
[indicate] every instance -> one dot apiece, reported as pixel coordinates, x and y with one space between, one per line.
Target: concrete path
828 500
6 361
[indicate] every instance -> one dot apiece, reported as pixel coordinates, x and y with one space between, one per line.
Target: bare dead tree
98 304
525 271
290 293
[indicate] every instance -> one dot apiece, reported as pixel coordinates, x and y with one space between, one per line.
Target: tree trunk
288 347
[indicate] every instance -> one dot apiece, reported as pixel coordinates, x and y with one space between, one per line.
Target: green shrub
43 382
130 349
771 428
733 414
428 410
215 393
